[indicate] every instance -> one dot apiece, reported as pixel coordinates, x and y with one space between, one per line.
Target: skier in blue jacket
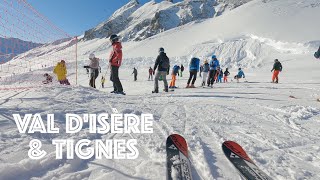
194 67
240 75
214 64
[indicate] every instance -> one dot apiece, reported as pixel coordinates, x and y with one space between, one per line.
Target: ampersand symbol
35 151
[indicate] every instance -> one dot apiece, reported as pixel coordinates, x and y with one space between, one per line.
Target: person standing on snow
181 69
226 74
150 74
115 61
277 68
93 69
239 75
220 76
214 63
135 73
61 71
205 72
175 72
163 65
194 67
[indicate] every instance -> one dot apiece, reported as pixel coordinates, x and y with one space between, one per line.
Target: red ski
241 161
178 164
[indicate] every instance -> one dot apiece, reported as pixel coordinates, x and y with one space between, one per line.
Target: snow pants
275 76
117 86
204 78
164 78
173 81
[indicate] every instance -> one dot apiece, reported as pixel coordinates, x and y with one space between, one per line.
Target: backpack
193 62
164 62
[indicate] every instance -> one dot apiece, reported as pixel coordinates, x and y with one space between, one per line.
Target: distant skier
103 80
175 72
93 69
226 74
163 65
205 72
135 73
317 54
277 68
48 79
220 76
240 75
194 68
150 74
115 61
61 71
181 70
214 63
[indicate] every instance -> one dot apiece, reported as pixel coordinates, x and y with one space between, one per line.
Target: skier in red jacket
115 61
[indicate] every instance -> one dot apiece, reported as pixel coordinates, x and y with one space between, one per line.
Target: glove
271 70
86 66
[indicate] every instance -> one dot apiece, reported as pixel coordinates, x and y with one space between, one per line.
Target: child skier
226 74
61 71
175 72
193 69
220 76
205 72
239 75
48 79
93 69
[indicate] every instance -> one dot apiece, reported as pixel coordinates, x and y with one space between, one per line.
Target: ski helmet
276 60
114 37
161 49
62 61
239 69
214 56
92 56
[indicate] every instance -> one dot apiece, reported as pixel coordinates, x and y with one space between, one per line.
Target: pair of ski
179 168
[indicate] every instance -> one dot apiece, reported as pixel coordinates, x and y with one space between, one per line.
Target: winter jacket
214 63
277 66
94 63
150 71
158 63
182 68
61 71
206 67
226 73
194 64
116 54
241 74
135 71
175 70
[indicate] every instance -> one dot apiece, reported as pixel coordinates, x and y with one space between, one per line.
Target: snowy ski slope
280 133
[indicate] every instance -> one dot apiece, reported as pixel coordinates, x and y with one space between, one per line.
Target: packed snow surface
277 124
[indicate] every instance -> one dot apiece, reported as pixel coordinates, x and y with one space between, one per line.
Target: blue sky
77 16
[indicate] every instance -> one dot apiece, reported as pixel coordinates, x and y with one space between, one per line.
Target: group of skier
210 71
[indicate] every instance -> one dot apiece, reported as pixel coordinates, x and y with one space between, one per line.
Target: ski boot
155 91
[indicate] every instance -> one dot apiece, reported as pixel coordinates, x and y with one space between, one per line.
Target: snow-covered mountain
136 22
10 47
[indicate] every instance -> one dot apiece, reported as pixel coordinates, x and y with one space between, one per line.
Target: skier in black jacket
163 65
277 68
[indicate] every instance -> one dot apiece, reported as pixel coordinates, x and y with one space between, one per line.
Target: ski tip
180 142
236 149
